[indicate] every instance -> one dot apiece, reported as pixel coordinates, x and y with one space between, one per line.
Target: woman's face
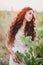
29 14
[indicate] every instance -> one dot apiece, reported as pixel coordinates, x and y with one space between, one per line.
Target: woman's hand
14 57
36 39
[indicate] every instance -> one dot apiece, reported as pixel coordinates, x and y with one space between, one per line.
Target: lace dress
18 46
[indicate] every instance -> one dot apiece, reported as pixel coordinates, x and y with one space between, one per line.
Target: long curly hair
18 22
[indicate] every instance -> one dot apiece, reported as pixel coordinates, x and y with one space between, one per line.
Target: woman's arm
10 39
13 29
9 48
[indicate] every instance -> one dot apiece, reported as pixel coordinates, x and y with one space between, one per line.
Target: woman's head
26 13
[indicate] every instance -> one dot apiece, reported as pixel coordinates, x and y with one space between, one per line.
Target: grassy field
5 20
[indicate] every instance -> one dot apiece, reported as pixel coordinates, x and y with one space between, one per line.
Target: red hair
17 23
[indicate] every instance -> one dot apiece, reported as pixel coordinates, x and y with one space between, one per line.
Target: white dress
18 45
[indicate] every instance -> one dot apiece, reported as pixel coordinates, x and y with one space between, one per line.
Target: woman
23 24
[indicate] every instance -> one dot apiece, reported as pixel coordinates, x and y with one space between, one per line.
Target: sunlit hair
18 22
